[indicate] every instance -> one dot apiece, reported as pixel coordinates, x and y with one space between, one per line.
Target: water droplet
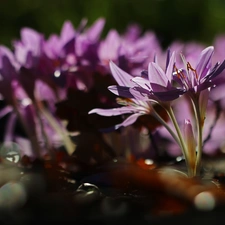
205 201
57 73
10 151
87 193
26 101
87 187
149 162
59 77
179 158
115 160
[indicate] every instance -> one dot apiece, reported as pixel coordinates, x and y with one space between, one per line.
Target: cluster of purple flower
45 82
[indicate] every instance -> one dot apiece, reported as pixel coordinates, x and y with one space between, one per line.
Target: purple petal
130 120
169 95
67 32
29 49
8 66
112 112
132 33
10 126
142 82
216 71
204 61
168 58
156 75
158 88
5 110
140 94
32 40
108 48
190 140
170 68
52 47
121 91
121 77
7 53
95 30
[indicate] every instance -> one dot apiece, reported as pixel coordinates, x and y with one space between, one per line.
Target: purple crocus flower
28 49
129 51
159 83
131 106
140 91
8 73
191 50
217 94
200 78
71 58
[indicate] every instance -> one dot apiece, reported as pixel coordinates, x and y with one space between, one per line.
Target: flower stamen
179 73
189 67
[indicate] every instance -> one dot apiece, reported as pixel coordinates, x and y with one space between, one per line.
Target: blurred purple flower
8 73
133 106
130 51
29 48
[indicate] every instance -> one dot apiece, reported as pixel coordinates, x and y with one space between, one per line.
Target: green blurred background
199 20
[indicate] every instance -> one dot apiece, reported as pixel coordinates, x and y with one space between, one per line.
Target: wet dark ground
113 193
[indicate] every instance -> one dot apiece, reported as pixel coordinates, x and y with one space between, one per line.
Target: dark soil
116 192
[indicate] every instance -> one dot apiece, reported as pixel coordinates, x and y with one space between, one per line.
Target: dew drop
26 101
149 162
87 187
10 151
179 158
57 73
205 201
86 194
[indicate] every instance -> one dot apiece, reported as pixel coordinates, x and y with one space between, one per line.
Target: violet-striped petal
170 68
113 111
128 121
156 75
121 91
121 77
169 95
218 69
204 61
95 30
142 82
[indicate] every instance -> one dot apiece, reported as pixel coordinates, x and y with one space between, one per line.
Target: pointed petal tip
209 49
92 111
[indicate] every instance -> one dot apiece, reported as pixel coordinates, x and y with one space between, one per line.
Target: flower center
141 106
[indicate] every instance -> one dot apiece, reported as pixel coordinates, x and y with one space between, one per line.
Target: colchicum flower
158 87
131 105
41 80
197 83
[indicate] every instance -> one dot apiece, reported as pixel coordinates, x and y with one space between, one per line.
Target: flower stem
69 145
32 137
191 171
199 124
179 139
163 122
